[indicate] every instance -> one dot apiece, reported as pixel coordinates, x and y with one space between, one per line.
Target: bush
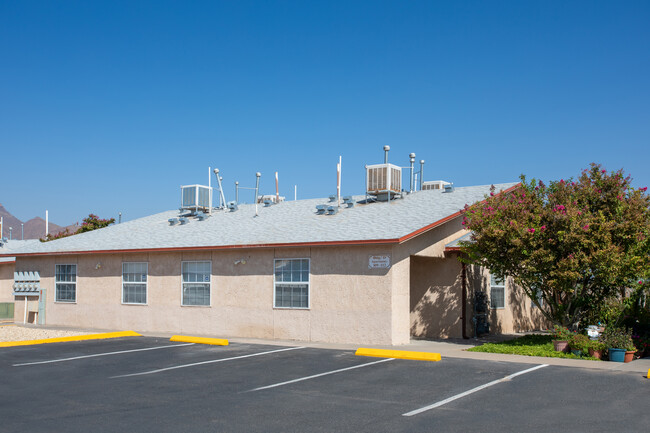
618 338
579 342
560 333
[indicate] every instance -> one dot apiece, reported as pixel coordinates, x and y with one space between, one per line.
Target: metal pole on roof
338 182
222 197
210 189
2 226
277 189
236 192
257 188
386 149
295 192
421 173
10 230
412 159
47 223
22 231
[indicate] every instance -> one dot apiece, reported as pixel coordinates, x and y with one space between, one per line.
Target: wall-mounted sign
378 262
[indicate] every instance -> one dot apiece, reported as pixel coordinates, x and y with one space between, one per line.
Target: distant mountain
34 228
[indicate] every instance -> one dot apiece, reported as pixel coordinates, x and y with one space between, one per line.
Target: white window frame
209 283
308 282
56 283
493 285
146 284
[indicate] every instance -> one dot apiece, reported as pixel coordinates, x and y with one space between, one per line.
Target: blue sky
109 107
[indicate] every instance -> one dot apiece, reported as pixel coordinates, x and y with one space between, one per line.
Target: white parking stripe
212 361
471 391
321 374
101 354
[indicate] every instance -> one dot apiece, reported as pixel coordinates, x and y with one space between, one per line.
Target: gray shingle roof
291 222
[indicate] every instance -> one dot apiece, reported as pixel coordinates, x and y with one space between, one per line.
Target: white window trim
146 284
209 283
498 287
308 307
76 277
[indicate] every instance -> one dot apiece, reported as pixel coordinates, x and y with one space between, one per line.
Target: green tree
571 245
91 222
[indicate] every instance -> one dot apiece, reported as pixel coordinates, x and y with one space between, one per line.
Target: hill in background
34 228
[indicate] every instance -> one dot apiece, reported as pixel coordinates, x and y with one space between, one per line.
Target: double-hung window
65 282
497 292
291 283
134 283
197 278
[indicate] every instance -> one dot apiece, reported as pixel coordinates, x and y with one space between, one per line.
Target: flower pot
616 355
629 356
598 354
561 346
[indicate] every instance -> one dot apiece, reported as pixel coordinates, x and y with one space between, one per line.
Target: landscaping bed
528 345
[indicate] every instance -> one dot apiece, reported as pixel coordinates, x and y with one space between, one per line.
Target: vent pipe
412 159
236 192
47 223
277 189
22 231
421 173
257 188
386 149
222 203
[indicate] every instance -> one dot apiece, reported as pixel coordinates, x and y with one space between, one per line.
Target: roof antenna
277 189
236 192
223 198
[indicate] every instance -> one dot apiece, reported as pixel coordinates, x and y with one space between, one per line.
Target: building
367 271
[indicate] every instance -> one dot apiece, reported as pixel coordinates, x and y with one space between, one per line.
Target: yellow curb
73 338
401 354
648 375
199 340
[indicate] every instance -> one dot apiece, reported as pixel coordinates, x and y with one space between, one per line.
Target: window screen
497 292
196 283
292 283
134 283
65 281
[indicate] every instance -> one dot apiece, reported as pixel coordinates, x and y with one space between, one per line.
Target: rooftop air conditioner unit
434 184
195 198
384 181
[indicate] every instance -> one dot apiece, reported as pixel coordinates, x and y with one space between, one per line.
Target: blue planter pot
616 355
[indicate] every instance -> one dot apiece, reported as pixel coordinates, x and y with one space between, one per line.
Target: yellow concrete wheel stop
399 354
199 340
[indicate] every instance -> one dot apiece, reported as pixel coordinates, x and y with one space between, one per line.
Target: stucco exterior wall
348 301
6 281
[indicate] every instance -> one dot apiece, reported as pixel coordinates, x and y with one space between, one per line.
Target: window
65 282
291 283
196 283
134 283
497 292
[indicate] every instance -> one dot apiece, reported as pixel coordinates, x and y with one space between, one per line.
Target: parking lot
152 384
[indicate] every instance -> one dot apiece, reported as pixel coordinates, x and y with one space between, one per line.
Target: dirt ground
11 332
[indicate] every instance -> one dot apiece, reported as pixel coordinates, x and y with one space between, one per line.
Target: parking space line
100 354
471 391
320 374
212 361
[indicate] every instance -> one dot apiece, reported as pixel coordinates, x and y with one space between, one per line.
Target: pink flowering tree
571 245
91 222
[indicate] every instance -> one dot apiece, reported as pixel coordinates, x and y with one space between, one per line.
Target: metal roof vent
435 184
232 205
183 220
172 221
449 187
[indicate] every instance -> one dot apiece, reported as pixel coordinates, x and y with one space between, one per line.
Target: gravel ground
19 333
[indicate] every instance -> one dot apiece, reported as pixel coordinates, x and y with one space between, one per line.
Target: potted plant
560 336
596 349
619 343
579 344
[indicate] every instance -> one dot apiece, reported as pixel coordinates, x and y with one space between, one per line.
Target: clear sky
109 107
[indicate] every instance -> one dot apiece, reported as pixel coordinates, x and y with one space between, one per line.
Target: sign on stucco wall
378 262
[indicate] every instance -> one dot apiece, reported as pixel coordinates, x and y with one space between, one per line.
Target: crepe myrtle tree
571 244
91 222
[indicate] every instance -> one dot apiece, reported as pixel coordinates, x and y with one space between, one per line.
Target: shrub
560 333
618 338
579 342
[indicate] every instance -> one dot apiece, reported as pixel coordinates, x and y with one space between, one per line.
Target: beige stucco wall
348 301
6 281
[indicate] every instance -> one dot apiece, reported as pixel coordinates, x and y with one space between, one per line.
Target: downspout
463 311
